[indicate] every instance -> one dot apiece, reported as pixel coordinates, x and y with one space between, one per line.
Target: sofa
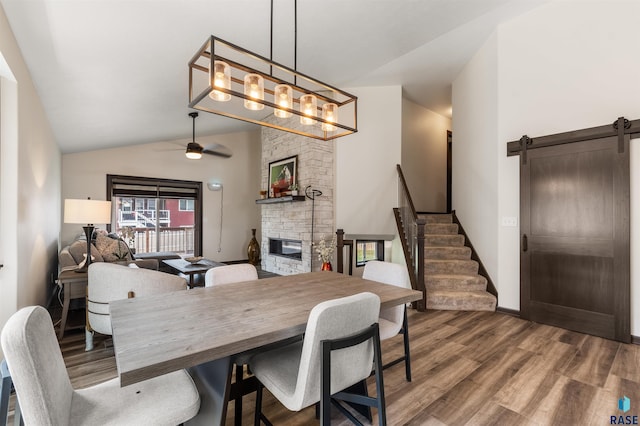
104 248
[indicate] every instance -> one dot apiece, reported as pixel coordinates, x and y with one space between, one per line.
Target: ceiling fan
195 150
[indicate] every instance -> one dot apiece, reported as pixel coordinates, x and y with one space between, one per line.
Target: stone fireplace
291 220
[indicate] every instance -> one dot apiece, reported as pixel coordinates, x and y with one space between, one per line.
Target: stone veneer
292 220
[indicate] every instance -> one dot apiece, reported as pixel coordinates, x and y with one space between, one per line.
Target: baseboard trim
635 340
512 312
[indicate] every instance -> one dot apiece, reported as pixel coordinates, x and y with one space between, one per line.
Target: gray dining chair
340 344
392 320
46 396
229 274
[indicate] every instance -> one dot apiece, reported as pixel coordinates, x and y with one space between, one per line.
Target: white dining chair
108 282
46 396
392 320
230 274
340 344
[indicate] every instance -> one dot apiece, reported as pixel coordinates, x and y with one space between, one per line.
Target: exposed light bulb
220 76
253 88
308 107
329 113
282 96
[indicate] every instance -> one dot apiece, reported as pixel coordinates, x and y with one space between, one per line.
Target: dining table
200 329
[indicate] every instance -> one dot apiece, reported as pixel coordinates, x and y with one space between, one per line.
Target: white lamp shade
87 211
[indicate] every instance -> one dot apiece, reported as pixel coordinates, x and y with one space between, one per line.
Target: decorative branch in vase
325 252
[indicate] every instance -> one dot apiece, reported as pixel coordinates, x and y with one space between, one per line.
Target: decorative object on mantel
253 250
294 189
325 251
87 212
282 174
228 80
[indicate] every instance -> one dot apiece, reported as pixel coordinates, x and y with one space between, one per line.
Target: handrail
412 230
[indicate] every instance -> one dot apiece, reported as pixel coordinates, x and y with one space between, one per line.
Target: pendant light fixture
228 80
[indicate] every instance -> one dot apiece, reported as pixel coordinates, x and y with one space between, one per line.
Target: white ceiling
114 72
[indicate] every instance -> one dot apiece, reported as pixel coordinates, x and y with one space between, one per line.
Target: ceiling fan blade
217 150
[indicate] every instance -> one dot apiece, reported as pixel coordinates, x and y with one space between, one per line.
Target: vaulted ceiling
114 72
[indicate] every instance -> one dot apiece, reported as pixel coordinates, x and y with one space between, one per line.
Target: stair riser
462 283
456 267
462 303
441 228
438 218
444 240
447 253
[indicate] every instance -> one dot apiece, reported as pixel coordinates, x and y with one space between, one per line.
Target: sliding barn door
575 236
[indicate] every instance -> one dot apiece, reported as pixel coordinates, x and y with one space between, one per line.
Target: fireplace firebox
291 249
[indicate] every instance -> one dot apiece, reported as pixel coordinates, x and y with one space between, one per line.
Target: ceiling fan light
194 151
329 113
283 97
220 76
254 89
309 108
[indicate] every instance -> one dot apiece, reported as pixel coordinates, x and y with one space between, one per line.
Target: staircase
451 277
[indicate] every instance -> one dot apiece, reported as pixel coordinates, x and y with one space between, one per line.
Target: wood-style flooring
469 368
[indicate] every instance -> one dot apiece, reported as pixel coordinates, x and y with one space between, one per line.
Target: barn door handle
525 244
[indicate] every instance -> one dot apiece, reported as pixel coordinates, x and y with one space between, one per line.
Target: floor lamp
87 212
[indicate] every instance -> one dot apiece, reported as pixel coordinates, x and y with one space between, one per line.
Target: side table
74 286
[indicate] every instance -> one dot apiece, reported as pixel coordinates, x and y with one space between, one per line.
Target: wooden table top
185 267
158 334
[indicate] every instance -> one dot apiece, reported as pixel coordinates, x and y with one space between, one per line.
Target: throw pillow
78 250
112 250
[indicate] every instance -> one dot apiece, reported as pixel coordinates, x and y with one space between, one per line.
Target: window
161 214
187 205
367 250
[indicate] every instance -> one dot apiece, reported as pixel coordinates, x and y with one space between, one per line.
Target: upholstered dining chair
108 282
46 396
392 320
340 344
230 274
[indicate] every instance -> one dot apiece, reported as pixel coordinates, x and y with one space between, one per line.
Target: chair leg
258 411
238 400
377 354
325 385
407 351
5 392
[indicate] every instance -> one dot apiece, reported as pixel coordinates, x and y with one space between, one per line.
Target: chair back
392 274
37 368
230 274
335 319
109 282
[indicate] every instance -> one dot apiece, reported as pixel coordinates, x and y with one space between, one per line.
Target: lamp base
88 232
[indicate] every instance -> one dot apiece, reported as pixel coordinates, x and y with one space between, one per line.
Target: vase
326 266
253 250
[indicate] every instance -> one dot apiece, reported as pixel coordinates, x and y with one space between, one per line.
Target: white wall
366 177
561 67
424 156
30 174
475 154
84 175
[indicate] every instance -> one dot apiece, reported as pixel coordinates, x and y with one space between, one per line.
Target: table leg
65 309
213 380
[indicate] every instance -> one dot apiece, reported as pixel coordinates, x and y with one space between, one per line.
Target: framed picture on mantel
282 174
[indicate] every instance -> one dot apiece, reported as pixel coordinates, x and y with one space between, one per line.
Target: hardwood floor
469 368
